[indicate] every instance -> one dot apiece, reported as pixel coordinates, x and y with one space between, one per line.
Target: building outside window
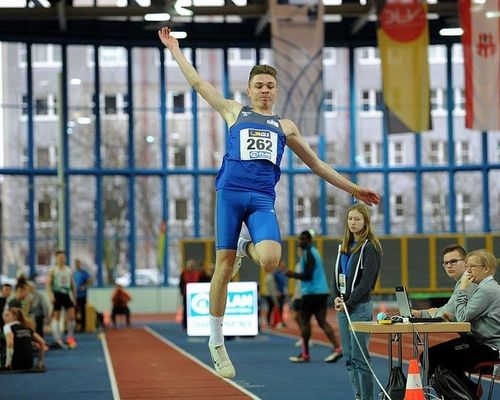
396 153
371 101
372 153
438 152
463 153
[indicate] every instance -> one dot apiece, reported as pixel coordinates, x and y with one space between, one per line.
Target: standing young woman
19 338
354 277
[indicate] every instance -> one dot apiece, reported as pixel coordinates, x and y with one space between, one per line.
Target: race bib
342 283
258 144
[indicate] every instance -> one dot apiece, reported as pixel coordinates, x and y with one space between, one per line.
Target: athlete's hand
167 39
366 195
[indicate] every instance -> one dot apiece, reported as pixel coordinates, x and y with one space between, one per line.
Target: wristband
355 191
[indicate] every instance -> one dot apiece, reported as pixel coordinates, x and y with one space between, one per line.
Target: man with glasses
454 265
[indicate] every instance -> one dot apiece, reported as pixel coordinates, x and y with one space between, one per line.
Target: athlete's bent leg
267 254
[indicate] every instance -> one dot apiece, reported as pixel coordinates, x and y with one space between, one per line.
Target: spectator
4 295
482 309
281 290
19 337
120 299
82 281
188 275
39 309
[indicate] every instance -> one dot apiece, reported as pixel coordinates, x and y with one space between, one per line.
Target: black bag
397 384
449 386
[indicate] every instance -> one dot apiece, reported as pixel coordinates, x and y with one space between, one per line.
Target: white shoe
222 364
241 252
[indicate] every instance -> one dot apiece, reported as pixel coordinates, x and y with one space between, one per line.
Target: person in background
482 309
4 295
207 272
454 265
82 281
188 275
315 292
19 337
246 182
39 309
269 295
61 292
119 300
355 274
281 290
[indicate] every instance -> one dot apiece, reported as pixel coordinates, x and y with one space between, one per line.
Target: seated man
454 265
482 310
120 299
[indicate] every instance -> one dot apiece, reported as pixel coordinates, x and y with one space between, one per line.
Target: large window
140 147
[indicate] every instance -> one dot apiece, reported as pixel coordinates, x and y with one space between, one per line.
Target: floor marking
109 364
200 363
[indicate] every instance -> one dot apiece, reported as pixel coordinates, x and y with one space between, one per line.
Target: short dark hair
60 252
7 285
306 234
263 69
454 247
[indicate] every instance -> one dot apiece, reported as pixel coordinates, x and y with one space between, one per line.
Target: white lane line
200 363
109 364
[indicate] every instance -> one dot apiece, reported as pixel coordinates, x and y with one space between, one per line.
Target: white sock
242 246
71 328
216 336
56 334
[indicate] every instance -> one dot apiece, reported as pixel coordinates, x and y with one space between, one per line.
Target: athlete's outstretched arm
300 147
228 109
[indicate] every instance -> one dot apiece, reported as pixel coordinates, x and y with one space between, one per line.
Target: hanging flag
297 39
481 23
403 37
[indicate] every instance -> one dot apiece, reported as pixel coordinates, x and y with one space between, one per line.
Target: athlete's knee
269 263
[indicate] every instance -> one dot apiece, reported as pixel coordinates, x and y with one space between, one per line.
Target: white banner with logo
241 317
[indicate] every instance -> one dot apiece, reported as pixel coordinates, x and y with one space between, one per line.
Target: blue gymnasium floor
262 369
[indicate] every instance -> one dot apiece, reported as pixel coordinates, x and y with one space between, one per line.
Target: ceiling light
492 14
84 120
451 32
75 81
157 17
179 34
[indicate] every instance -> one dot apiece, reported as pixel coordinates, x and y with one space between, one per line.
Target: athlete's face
262 91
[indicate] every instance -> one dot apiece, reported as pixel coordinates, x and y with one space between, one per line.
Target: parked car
143 277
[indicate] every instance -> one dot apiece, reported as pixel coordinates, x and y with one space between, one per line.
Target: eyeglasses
452 262
473 266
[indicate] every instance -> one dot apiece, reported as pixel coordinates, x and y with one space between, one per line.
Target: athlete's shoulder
288 126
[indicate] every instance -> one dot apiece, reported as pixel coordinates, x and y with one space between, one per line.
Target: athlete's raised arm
299 146
228 109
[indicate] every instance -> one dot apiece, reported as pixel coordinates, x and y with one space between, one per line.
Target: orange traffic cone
414 390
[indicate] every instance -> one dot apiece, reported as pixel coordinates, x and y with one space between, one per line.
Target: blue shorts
256 210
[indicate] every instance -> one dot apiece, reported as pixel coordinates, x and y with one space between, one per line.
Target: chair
485 368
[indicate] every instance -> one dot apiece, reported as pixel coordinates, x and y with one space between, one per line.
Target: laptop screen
403 302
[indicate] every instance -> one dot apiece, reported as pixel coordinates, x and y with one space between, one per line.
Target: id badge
342 284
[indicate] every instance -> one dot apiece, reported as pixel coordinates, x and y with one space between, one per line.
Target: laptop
405 308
